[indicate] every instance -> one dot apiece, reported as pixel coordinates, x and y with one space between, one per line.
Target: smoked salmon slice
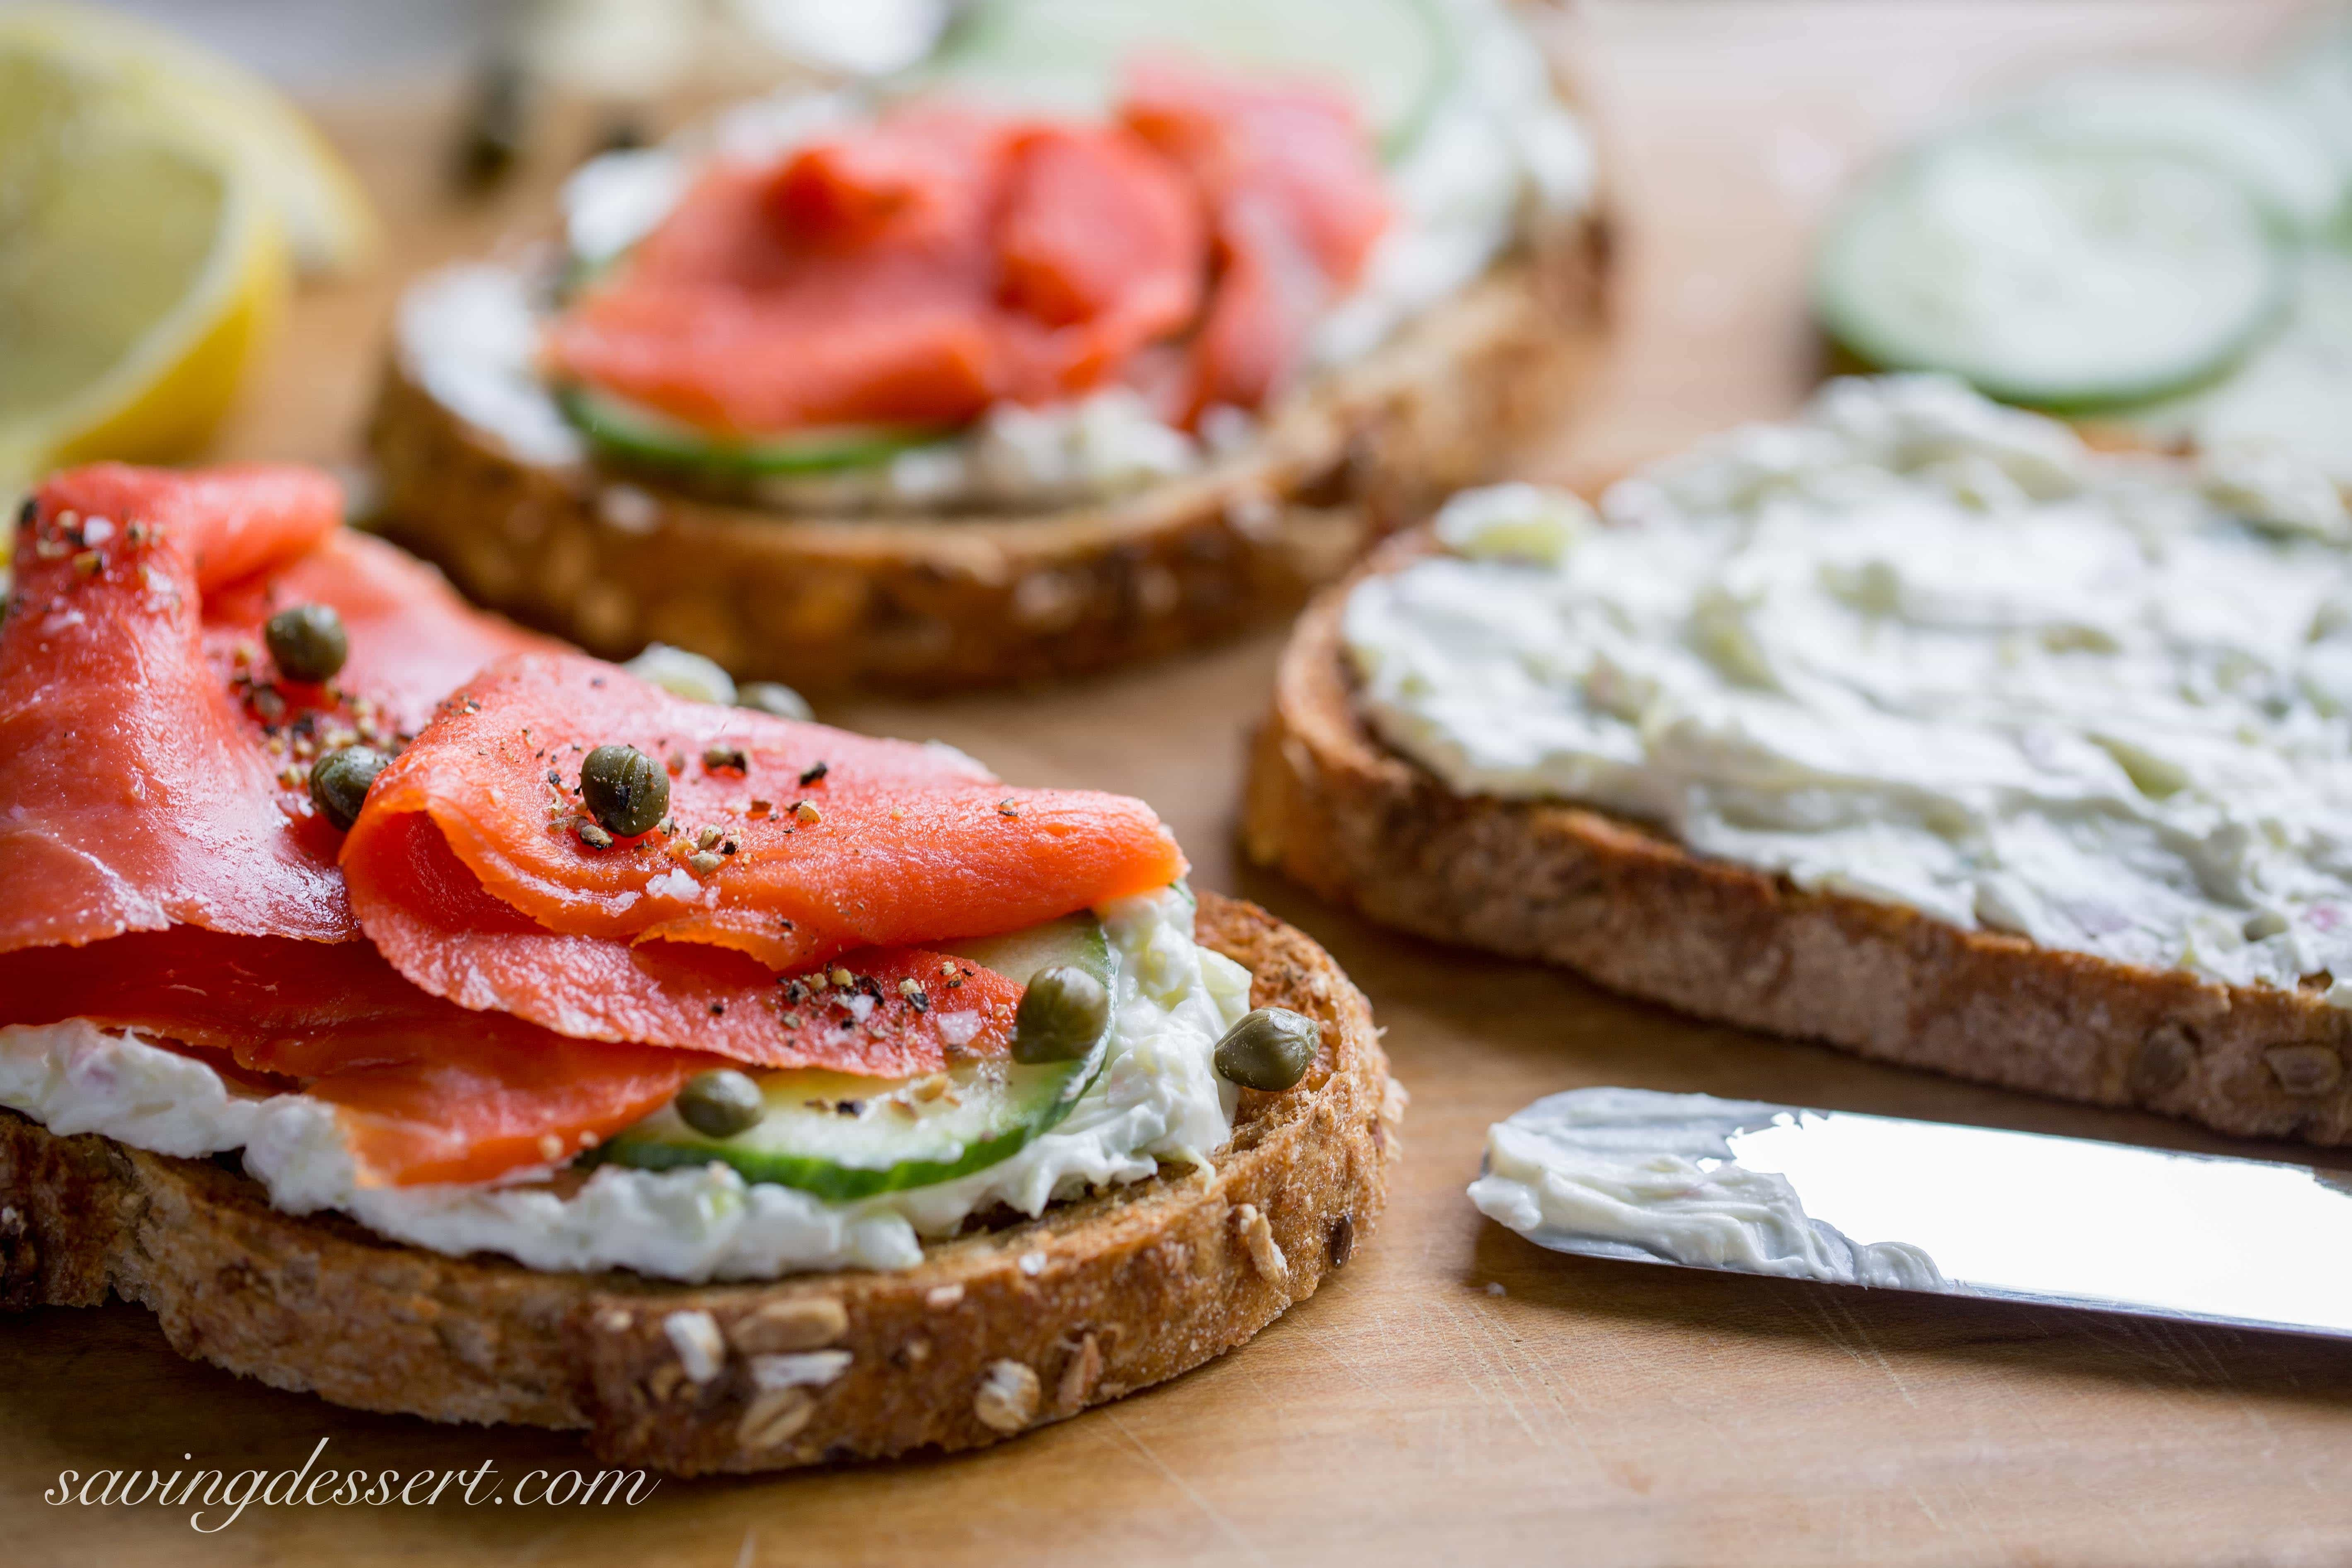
467 869
911 273
159 866
138 785
426 1091
919 269
1296 203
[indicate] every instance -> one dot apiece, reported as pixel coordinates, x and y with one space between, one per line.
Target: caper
307 642
625 790
774 696
340 780
721 1104
1062 1015
1269 1049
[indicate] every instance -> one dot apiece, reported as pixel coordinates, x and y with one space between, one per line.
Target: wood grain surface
1454 1394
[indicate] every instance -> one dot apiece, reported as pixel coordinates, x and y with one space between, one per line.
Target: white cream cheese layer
1920 648
1499 155
1656 1172
1159 1099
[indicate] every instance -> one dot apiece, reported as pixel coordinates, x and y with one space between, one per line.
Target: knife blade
1926 1205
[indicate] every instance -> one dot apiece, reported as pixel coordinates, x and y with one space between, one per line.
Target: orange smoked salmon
426 1091
916 270
1295 200
138 785
466 871
156 868
910 274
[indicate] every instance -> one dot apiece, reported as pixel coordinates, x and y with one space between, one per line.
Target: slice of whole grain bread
1331 805
928 602
994 1331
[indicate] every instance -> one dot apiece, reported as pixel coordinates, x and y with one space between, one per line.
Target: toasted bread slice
993 1332
930 602
1331 805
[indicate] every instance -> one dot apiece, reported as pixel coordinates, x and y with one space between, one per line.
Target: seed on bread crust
799 1324
774 1418
695 1336
1265 1253
1006 1401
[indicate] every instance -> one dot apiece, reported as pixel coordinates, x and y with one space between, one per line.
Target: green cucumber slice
630 431
1398 58
844 1137
2172 110
1075 939
2061 276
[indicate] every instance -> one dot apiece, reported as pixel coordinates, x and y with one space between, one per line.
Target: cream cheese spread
1916 648
1159 1099
1656 1173
1497 156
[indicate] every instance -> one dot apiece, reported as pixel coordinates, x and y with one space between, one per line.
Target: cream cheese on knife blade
1985 1212
1656 1172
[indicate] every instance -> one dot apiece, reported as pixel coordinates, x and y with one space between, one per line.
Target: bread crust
1331 805
1094 1300
955 601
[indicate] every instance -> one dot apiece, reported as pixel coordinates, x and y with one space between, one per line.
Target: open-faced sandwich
1110 328
1913 726
407 1009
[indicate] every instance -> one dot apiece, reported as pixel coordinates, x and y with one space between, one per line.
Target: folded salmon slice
911 273
138 785
1295 201
161 866
426 1091
467 869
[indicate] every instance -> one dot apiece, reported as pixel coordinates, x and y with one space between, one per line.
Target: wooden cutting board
1454 1394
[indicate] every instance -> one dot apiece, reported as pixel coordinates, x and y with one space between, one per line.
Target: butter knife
1925 1205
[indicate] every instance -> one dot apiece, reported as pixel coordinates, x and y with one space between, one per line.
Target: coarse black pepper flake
29 513
725 758
1008 808
813 773
717 1008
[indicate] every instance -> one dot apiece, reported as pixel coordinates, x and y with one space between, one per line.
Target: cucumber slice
1073 939
845 1138
1397 57
2056 274
639 434
2168 110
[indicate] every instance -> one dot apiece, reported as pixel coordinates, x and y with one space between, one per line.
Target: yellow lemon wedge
141 266
328 221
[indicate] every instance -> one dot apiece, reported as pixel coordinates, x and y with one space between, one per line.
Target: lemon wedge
327 218
140 268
